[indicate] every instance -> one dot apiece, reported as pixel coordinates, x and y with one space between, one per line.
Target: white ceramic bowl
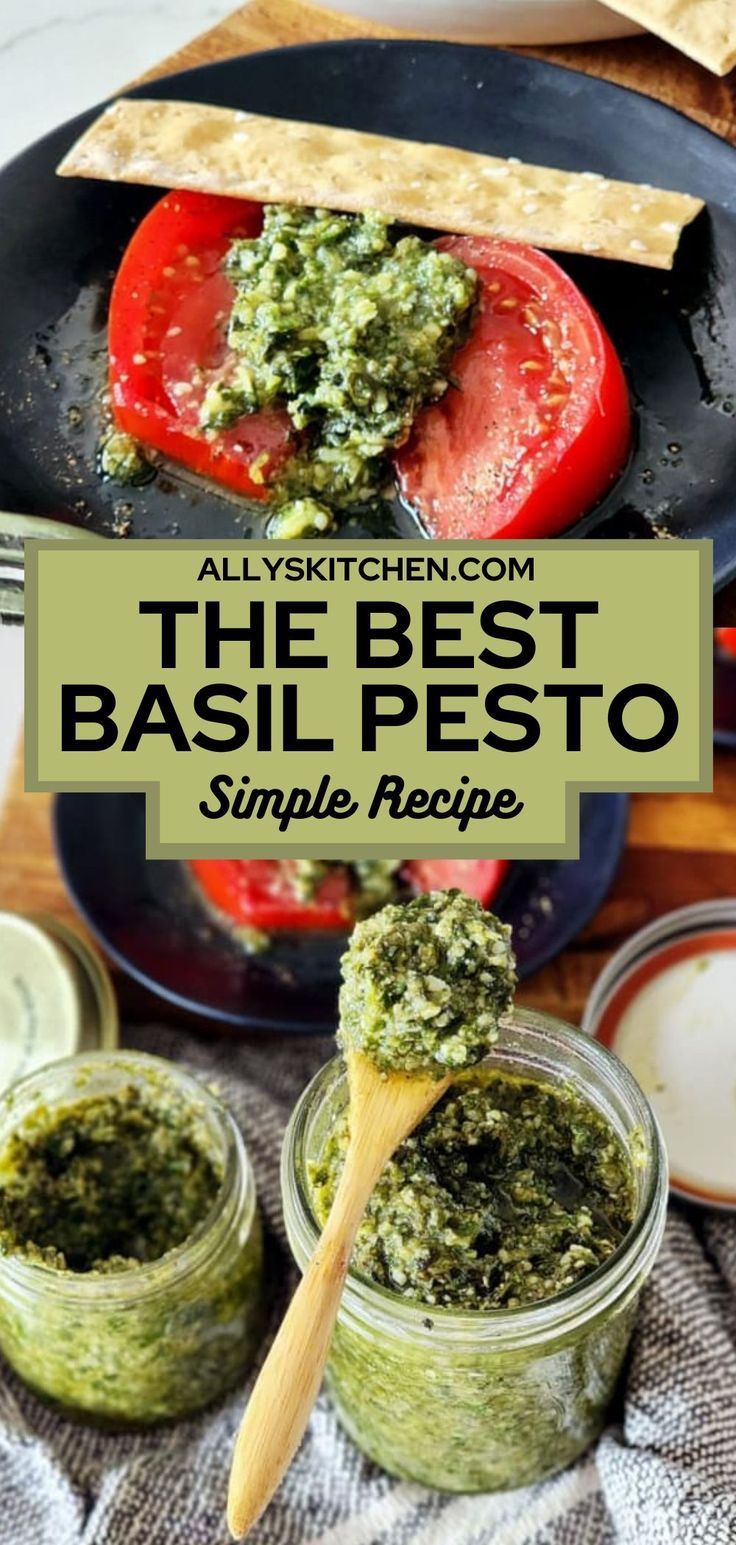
494 21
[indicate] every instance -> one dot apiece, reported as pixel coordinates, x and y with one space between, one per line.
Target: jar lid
56 996
666 1004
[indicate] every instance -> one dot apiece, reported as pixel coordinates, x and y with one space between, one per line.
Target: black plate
150 919
676 333
724 701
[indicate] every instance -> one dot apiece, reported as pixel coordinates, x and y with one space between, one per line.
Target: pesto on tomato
350 329
315 361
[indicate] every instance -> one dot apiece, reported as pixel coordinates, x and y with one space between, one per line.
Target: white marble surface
56 58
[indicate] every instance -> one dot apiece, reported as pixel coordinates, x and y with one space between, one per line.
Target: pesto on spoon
425 984
424 987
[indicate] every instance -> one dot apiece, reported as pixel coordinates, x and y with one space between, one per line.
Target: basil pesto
105 1184
472 1415
509 1192
349 328
425 984
373 881
130 1247
299 519
122 460
494 1280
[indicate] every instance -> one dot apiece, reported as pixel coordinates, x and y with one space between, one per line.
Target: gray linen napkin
665 1476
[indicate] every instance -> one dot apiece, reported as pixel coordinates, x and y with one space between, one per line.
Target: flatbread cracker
705 30
277 160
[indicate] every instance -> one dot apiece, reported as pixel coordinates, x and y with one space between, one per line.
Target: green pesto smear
511 1191
373 881
425 984
122 460
351 329
106 1183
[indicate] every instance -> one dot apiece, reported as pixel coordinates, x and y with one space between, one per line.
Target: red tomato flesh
258 893
537 424
535 429
478 877
726 640
168 340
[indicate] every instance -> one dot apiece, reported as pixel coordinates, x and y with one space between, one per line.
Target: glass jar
151 1342
476 1400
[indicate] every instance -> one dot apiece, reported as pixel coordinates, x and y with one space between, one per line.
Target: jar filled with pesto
493 1287
130 1240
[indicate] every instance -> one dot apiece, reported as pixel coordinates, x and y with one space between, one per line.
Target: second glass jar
487 1400
159 1340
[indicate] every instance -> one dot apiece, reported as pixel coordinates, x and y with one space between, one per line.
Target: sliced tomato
168 341
726 639
533 431
478 877
536 424
259 893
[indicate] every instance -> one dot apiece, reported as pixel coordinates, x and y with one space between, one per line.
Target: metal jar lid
56 996
666 1004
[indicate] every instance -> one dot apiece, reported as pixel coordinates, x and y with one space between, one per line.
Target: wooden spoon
384 1109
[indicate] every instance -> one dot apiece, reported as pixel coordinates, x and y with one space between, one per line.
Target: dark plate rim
551 68
724 670
152 985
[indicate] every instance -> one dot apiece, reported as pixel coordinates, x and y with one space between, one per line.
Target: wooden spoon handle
288 1384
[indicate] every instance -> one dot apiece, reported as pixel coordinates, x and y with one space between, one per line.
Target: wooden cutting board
681 848
642 63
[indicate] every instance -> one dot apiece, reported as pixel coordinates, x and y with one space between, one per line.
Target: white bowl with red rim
666 1004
